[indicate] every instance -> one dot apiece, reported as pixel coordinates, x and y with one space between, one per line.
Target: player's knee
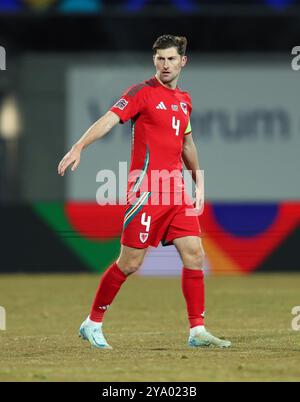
195 259
131 266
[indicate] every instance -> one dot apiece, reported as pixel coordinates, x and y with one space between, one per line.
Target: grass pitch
148 329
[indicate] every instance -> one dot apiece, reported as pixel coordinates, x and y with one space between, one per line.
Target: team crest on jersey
144 237
121 104
184 107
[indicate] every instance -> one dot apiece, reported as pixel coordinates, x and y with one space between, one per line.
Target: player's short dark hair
167 41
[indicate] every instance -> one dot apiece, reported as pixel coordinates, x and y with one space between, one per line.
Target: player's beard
169 78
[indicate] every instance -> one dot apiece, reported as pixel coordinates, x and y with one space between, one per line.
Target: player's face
168 64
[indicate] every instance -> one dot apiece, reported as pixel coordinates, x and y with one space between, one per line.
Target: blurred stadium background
66 63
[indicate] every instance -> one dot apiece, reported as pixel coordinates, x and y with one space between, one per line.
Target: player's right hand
72 157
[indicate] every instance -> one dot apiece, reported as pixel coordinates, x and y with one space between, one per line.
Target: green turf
147 328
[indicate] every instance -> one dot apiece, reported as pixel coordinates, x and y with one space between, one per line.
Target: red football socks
193 291
110 284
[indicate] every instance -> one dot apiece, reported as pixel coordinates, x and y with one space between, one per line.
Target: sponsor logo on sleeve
121 104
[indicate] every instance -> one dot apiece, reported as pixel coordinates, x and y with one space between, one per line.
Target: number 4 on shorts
146 222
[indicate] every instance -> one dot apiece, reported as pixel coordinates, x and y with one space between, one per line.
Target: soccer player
161 142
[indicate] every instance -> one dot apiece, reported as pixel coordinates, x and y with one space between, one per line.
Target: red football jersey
160 118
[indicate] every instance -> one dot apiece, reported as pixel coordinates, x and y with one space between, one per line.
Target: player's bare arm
95 132
191 161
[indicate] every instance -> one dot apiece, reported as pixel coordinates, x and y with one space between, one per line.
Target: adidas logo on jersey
161 105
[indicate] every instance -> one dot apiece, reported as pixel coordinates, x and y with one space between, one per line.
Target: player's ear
183 61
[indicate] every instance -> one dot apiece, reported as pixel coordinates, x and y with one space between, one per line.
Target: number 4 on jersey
176 124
